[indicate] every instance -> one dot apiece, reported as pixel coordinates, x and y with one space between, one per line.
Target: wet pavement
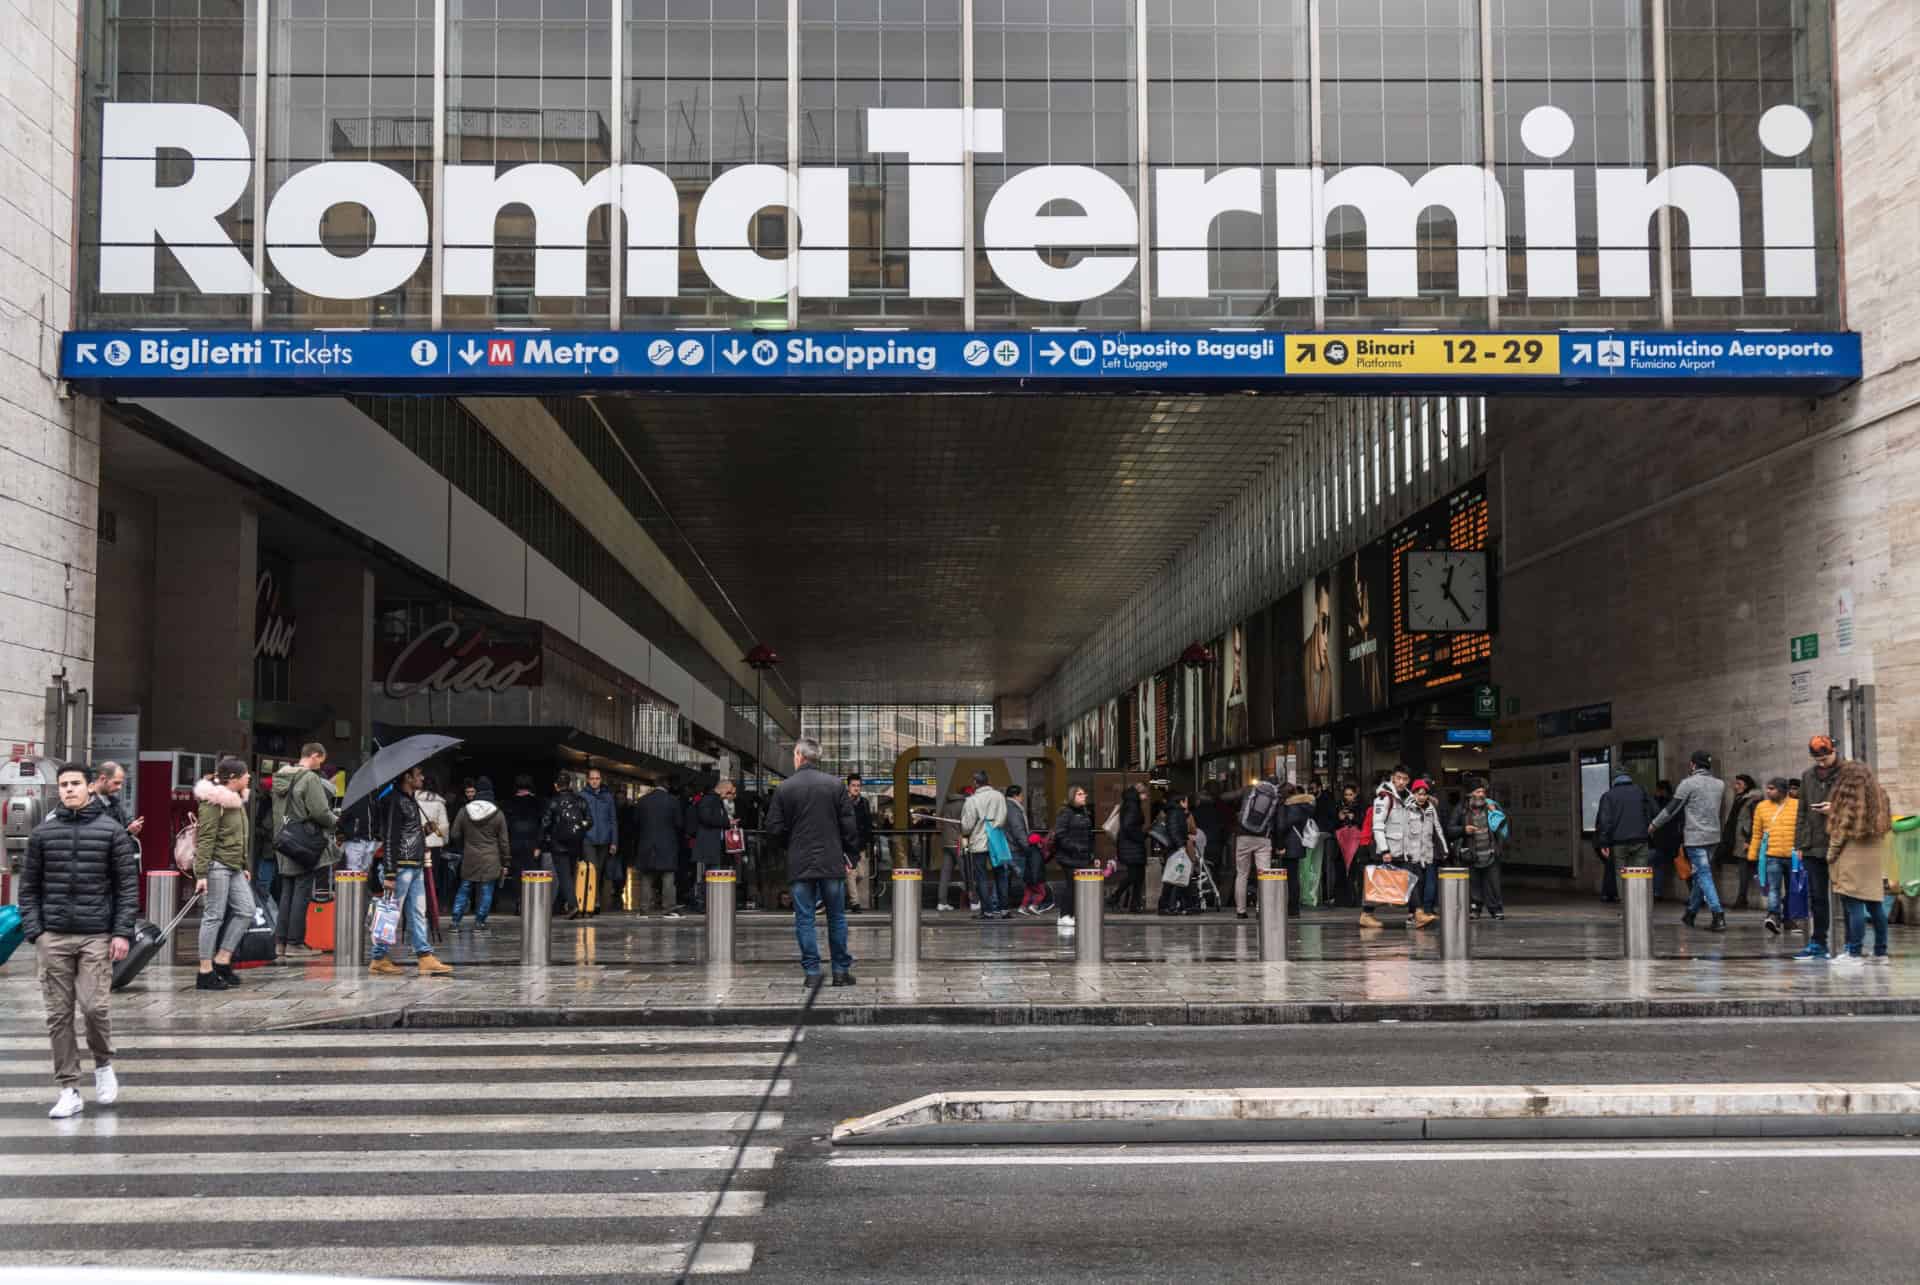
1555 960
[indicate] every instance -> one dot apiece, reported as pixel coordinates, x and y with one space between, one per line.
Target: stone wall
49 445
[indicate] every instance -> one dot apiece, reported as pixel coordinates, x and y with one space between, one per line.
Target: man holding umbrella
406 855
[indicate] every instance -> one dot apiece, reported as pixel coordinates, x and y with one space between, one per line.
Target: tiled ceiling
937 548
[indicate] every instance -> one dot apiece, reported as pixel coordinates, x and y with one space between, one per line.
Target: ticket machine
27 794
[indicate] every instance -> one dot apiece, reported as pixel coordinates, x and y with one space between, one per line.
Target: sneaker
1239 914
1880 960
1066 923
227 975
456 925
1847 959
1773 925
106 1086
67 1105
844 979
943 906
1497 914
479 925
671 914
209 982
384 967
1366 920
1812 950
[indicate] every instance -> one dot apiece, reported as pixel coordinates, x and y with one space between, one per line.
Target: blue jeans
264 871
485 900
1705 892
994 884
1426 889
1858 913
807 894
1777 887
410 888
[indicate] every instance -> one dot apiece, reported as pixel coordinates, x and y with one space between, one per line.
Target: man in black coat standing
79 892
812 812
656 850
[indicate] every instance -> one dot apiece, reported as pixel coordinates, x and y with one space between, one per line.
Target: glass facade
1168 164
868 738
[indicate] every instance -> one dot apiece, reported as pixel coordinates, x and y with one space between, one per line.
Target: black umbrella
390 762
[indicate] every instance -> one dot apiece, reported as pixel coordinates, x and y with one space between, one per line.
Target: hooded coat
225 835
480 836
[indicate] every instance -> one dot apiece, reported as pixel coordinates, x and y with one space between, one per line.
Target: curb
1211 1013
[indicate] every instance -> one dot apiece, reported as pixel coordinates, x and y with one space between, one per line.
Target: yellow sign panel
1423 354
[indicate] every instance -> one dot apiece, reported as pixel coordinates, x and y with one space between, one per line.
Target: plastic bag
1310 873
1799 899
1388 885
1178 870
386 920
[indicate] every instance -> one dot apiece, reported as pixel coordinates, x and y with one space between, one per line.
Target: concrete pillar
331 663
206 556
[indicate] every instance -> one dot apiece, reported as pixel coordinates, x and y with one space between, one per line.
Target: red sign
499 352
473 652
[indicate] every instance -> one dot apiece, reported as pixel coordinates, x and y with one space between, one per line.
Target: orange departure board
1427 662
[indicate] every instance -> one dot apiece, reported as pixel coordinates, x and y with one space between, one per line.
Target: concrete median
1392 1114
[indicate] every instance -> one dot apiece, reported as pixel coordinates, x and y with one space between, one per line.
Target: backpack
186 846
1366 820
1256 810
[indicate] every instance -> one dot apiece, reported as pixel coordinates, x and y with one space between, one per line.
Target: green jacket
226 831
301 794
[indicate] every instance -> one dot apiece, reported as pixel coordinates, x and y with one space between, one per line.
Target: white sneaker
1847 959
943 906
68 1105
1066 923
106 1086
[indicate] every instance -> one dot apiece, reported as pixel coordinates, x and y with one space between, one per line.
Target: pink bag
186 846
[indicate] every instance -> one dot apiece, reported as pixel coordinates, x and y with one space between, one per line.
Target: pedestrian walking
1812 840
301 795
222 850
1298 842
405 874
953 846
1256 810
1073 845
1422 844
1386 829
1857 823
485 846
1029 863
1736 835
109 779
1130 849
1178 823
1620 827
713 816
656 851
1477 834
1698 803
443 862
602 844
79 892
523 811
1665 843
1349 821
1771 846
986 808
860 860
563 832
811 812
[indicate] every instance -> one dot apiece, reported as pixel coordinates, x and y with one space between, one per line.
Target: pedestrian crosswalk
470 1156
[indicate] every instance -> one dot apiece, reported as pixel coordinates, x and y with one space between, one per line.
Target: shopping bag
386 920
1682 868
257 944
1799 900
1388 885
1178 870
735 841
1112 824
1310 879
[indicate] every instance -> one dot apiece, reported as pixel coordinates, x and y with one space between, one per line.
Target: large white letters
399 230
1014 227
1628 200
1185 204
720 232
1390 207
136 211
936 141
562 205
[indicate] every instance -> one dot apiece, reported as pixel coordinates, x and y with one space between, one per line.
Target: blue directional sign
1610 363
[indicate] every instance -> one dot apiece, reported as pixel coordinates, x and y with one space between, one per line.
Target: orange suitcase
320 925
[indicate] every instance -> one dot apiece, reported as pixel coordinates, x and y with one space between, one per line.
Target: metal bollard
536 918
349 918
1453 913
163 896
906 916
722 886
1272 887
1089 904
1636 904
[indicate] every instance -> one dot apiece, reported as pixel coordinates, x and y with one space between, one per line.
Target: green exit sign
1804 647
1486 701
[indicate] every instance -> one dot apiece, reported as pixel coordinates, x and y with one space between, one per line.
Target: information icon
425 352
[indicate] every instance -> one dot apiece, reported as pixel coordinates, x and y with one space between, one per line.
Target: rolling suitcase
147 941
12 932
319 934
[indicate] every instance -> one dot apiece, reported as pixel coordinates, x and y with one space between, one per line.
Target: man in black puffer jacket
79 891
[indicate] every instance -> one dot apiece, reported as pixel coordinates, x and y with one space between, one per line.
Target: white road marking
360 1041
1439 1154
207 1164
36 1211
111 1124
416 1089
601 1258
134 1064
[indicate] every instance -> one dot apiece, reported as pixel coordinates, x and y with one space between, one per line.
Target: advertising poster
1211 738
1234 699
1319 651
1143 725
1165 716
1539 795
1260 728
1110 736
1366 630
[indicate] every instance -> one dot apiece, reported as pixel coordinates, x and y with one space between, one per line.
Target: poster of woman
1110 736
1234 697
1319 659
1143 706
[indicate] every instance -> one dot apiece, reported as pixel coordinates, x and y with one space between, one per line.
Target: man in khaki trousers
79 892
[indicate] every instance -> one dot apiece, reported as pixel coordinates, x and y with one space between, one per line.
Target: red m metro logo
499 352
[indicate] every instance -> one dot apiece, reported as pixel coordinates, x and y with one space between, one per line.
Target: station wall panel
485 558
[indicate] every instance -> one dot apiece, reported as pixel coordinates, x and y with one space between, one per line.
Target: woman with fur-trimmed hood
1860 855
222 844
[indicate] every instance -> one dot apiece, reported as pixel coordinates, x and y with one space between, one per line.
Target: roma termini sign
139 214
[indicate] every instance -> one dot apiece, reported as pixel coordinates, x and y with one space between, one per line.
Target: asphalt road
1679 1211
599 1155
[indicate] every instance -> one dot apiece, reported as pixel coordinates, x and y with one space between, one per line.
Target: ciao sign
1022 228
472 653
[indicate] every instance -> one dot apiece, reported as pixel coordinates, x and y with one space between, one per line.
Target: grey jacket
1701 796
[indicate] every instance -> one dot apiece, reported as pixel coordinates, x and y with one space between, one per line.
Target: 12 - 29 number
1507 352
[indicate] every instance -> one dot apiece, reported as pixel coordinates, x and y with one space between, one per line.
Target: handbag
386 920
1799 891
186 846
735 841
1112 824
999 850
301 843
1388 885
1682 868
1178 870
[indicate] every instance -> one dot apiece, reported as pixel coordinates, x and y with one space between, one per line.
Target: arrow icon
1582 354
1053 352
84 352
734 353
472 352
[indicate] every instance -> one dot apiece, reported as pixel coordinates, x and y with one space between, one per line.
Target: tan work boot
1421 918
384 967
1367 920
430 966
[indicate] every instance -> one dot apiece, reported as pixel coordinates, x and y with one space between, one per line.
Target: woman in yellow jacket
1773 821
